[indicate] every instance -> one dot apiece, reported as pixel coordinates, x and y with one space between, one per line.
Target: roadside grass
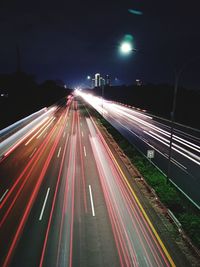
187 214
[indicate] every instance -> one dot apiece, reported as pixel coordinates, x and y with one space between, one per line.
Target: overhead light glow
126 48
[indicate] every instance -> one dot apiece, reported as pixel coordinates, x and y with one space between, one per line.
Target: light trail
131 230
133 116
37 132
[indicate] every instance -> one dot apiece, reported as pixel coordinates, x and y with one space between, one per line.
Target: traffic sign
150 154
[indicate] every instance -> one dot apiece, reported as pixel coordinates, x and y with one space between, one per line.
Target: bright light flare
126 48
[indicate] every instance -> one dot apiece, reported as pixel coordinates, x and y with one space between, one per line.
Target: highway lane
18 162
76 207
148 133
16 205
88 250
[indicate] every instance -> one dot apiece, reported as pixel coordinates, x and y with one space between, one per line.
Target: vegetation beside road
187 214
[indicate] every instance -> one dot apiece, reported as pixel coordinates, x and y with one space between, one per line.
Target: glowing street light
126 48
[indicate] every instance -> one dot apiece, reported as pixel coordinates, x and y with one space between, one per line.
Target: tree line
21 95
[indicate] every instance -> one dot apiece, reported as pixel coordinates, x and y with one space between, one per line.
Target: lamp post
177 76
176 83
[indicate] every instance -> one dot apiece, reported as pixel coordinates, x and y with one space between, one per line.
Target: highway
149 133
65 201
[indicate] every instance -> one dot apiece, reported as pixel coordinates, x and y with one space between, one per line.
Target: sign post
150 154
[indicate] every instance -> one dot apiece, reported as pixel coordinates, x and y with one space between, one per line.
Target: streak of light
82 165
71 168
127 113
22 139
53 203
30 203
129 198
37 132
33 160
164 141
183 154
187 143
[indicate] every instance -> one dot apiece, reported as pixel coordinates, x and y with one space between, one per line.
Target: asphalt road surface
65 201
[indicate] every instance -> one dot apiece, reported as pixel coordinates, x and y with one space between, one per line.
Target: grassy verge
187 214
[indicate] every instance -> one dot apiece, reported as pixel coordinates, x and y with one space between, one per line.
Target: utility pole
177 75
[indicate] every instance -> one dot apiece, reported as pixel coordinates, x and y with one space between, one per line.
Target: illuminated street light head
89 77
126 48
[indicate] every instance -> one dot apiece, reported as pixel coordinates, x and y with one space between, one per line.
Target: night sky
69 40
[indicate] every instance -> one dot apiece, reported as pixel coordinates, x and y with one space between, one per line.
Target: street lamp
176 83
177 76
126 48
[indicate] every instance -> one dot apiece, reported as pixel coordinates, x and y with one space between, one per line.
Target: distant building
107 80
138 82
102 81
93 82
97 80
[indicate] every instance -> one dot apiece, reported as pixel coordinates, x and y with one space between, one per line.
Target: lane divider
91 200
84 151
4 194
58 155
44 204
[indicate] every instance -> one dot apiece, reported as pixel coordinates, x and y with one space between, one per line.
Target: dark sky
68 40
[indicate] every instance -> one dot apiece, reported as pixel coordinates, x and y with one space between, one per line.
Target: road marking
44 204
179 164
33 152
82 134
84 151
64 134
146 261
4 195
91 200
58 152
45 128
37 131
